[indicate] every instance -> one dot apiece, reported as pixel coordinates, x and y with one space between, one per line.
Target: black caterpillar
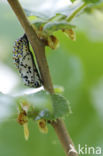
24 61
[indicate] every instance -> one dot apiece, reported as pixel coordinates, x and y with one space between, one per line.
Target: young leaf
43 105
61 106
51 27
40 105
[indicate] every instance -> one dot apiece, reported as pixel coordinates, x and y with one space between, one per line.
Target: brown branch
37 45
64 137
39 50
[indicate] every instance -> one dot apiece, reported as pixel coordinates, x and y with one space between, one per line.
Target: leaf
57 25
36 14
43 105
60 16
32 18
61 12
46 26
36 21
60 105
40 105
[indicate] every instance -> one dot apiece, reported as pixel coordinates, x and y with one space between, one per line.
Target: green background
78 67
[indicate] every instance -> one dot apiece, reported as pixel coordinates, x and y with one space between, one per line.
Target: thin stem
39 50
75 12
64 137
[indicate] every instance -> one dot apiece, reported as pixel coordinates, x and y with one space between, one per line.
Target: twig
37 45
39 50
64 137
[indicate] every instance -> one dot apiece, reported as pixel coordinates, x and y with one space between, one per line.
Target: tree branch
36 44
39 49
64 137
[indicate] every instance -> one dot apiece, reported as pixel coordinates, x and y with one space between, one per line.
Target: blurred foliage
7 106
91 1
78 67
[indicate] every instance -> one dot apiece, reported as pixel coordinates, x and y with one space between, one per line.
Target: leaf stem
75 12
39 50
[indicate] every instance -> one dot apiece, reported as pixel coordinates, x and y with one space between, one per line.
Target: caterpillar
24 61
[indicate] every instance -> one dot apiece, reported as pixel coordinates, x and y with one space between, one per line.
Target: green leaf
36 21
36 14
45 105
40 105
61 16
60 105
54 26
32 18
